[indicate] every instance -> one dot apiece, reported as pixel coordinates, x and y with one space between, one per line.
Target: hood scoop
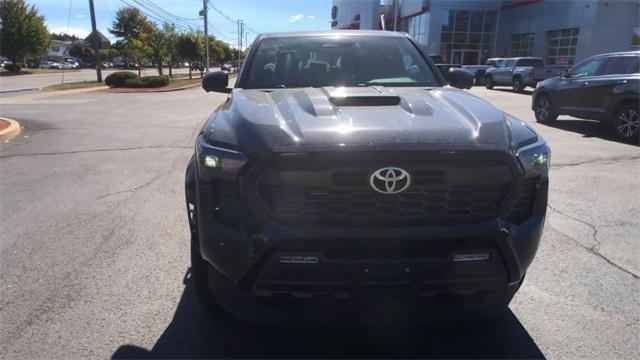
365 100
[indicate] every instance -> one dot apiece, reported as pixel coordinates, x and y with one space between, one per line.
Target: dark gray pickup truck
342 179
518 73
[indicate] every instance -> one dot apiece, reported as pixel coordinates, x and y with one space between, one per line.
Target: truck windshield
314 61
531 63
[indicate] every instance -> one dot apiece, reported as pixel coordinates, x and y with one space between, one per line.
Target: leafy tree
171 39
81 51
22 31
63 37
133 30
216 49
108 54
157 41
190 47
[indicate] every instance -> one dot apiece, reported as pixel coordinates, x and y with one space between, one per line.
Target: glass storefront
522 44
466 36
561 46
416 27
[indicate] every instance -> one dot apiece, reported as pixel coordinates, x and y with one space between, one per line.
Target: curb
10 132
18 90
71 91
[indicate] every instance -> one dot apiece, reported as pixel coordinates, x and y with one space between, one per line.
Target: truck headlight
216 162
535 158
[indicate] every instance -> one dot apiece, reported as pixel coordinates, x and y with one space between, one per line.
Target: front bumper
249 278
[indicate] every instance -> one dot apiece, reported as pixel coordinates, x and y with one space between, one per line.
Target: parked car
197 67
5 62
603 87
479 71
342 171
71 65
51 65
442 66
518 73
107 65
227 67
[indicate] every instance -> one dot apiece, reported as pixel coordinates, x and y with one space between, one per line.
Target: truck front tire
488 82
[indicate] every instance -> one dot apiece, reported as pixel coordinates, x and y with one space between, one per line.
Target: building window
466 37
522 45
416 27
561 46
55 48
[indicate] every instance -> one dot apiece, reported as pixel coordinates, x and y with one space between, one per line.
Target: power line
157 17
219 32
177 17
161 16
229 18
222 14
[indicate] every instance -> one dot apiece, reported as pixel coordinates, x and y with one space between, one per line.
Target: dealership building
562 32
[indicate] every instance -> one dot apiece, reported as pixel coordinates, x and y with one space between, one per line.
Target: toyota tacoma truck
517 73
342 178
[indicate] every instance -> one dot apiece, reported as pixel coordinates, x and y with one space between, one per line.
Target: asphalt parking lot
94 245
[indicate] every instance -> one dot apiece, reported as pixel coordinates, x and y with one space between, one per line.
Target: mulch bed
147 90
4 124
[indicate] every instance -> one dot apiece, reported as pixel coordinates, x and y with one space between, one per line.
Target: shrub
133 83
154 81
12 67
119 78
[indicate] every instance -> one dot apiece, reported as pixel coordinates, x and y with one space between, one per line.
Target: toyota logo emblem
390 180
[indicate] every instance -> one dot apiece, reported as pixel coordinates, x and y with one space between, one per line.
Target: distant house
103 41
58 48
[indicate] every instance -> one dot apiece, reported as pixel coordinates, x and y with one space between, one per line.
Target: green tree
63 37
157 42
108 54
81 51
216 49
189 47
23 33
171 38
133 29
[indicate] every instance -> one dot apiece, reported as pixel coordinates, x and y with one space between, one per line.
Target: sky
72 16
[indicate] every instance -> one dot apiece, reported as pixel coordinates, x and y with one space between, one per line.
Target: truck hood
302 119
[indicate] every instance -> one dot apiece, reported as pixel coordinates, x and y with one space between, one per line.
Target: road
36 81
94 245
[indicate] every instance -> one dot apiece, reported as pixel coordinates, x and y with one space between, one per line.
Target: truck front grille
447 201
449 189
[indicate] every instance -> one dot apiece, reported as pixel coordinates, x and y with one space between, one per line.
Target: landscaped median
8 129
126 81
129 82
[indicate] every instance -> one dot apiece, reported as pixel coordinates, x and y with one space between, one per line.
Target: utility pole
95 39
238 52
206 33
241 35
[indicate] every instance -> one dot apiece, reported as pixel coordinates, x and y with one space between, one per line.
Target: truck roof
328 33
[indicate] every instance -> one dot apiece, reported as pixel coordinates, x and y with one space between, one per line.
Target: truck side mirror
461 79
216 81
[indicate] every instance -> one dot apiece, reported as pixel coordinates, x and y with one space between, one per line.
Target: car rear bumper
290 273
